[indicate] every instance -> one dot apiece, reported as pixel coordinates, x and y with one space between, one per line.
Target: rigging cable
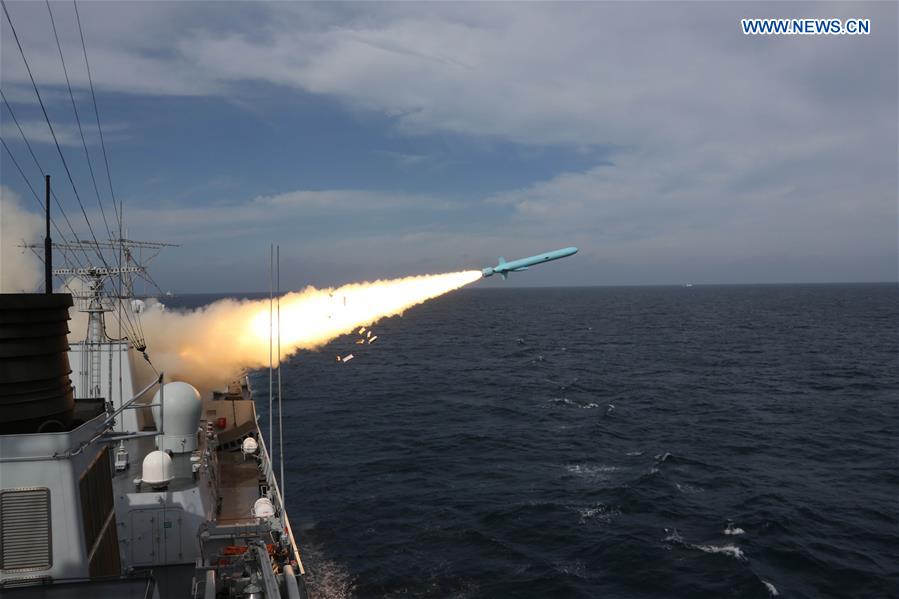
87 155
52 131
37 198
96 245
119 213
117 206
33 192
41 169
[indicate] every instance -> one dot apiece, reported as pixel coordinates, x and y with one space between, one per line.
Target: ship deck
238 487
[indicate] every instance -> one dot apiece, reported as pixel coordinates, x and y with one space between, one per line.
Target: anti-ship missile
503 268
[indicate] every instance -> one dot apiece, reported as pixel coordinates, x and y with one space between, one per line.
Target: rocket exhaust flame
208 344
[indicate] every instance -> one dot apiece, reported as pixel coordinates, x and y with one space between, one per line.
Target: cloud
278 212
544 74
734 156
20 269
67 134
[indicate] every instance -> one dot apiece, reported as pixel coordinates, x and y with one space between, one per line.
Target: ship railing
102 435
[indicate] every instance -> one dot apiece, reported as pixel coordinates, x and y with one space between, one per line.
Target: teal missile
503 268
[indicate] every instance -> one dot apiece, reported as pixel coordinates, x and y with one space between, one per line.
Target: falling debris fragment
361 330
369 334
372 339
360 341
347 358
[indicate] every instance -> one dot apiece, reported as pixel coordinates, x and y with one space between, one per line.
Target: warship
117 481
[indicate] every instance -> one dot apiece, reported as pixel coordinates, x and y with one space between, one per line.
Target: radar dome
263 508
249 446
180 419
157 469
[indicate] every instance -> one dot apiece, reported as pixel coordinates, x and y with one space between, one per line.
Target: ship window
25 542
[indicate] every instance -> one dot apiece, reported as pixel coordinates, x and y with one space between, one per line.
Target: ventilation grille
25 530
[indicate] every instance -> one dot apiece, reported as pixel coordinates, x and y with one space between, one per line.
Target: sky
375 140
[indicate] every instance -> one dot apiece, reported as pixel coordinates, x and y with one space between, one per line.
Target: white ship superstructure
156 491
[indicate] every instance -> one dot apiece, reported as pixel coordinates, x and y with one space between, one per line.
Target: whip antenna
280 422
271 268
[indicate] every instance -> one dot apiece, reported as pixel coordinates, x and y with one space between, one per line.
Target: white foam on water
673 536
576 568
598 513
733 530
731 550
325 578
570 402
634 453
688 489
771 589
593 473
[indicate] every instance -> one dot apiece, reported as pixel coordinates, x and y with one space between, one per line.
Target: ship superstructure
116 480
115 477
159 491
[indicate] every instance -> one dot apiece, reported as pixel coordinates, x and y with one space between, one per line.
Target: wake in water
729 550
326 579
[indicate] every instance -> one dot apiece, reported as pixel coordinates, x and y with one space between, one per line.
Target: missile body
503 268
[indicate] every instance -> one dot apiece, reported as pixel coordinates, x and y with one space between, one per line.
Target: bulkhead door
144 537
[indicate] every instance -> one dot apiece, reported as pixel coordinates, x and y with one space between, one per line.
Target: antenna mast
48 244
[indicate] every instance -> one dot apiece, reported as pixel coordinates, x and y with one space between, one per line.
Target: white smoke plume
210 345
20 269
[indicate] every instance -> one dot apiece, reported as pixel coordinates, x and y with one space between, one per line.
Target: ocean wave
598 473
597 513
688 489
771 588
731 550
571 402
571 568
326 578
674 537
733 530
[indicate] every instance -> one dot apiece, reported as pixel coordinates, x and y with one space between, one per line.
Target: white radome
157 469
182 412
249 446
263 508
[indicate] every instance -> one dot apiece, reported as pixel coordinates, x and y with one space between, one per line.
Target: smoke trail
20 269
207 345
